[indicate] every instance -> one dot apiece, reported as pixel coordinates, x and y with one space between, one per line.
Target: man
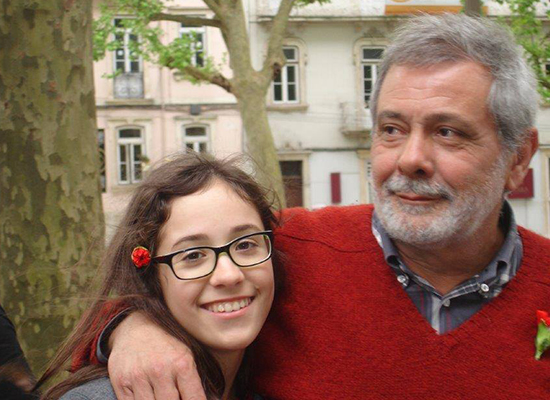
433 294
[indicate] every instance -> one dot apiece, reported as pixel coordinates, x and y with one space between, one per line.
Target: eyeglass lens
201 261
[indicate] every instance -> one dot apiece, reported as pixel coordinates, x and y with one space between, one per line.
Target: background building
146 113
317 105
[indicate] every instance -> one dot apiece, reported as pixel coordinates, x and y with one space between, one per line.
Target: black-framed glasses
198 262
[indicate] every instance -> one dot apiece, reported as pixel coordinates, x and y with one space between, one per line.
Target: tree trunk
259 141
50 204
472 7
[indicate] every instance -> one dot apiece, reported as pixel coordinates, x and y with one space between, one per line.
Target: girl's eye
245 245
193 256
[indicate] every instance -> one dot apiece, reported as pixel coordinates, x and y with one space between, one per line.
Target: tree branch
214 6
187 20
275 59
216 78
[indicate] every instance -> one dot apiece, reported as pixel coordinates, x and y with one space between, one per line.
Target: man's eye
390 130
446 132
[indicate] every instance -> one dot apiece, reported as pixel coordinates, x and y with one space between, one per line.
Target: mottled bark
259 140
50 205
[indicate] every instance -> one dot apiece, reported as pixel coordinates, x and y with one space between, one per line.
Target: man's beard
454 216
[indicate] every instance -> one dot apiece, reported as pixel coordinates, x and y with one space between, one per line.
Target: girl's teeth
229 307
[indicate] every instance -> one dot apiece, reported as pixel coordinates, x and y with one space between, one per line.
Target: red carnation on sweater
542 341
141 256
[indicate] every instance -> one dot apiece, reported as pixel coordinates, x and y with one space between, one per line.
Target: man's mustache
420 187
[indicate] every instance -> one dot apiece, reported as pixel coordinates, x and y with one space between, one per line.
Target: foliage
533 36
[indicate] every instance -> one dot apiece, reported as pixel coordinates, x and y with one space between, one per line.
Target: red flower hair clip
141 257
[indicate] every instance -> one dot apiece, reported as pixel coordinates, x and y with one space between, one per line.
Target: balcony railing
356 120
129 85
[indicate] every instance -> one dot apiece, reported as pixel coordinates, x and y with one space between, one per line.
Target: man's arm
147 363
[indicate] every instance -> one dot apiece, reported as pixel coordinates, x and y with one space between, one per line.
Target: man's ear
521 160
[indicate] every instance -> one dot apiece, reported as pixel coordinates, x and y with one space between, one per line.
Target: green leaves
532 36
137 19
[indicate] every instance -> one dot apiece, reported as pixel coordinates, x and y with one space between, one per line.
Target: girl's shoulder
98 389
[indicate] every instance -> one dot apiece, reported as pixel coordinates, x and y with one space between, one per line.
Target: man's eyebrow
390 115
449 117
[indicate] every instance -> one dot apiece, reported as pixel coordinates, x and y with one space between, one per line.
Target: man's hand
147 363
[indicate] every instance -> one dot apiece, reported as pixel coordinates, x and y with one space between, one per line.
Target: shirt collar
506 261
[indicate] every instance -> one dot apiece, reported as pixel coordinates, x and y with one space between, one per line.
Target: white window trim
365 194
196 139
129 141
199 29
127 58
301 88
358 61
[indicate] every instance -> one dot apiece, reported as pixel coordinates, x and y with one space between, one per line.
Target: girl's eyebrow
202 236
245 227
190 238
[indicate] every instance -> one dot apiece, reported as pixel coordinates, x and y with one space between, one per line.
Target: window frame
300 104
196 140
129 146
189 30
125 47
373 63
293 64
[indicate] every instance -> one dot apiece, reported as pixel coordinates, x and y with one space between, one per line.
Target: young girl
194 254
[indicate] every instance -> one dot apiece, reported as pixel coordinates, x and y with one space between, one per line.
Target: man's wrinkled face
438 167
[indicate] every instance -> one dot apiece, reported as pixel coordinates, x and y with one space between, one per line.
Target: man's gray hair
430 40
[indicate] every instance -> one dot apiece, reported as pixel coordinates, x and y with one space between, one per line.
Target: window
195 138
101 145
197 34
130 155
128 83
293 183
125 59
370 57
286 83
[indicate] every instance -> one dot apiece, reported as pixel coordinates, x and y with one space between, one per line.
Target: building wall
168 106
329 38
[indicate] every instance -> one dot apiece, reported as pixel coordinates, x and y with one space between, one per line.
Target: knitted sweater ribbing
343 327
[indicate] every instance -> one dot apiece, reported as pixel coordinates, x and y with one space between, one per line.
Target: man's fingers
188 380
143 390
163 383
122 390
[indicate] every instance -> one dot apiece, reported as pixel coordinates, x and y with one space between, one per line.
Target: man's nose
227 273
416 158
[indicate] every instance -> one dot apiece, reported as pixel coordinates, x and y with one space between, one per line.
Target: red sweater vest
343 328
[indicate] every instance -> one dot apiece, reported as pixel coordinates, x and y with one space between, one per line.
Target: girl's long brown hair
148 210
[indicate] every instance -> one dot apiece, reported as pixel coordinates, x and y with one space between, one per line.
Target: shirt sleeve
10 350
87 353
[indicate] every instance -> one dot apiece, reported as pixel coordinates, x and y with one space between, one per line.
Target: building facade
145 112
319 104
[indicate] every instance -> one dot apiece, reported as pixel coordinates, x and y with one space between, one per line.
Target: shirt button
446 302
403 279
